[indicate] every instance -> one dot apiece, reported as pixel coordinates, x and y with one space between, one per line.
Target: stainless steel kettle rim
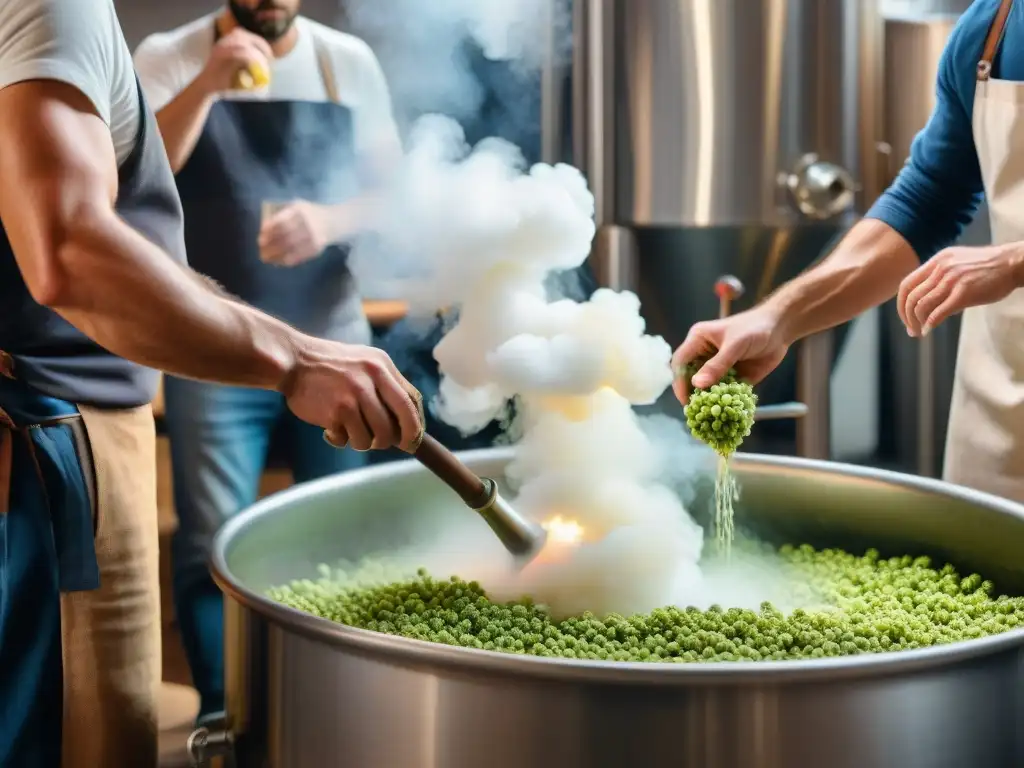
408 652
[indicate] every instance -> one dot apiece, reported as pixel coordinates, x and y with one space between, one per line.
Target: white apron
985 442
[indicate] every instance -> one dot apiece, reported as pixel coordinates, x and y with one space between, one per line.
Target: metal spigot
820 189
211 740
728 288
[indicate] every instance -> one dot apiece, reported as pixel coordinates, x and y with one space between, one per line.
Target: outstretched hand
956 279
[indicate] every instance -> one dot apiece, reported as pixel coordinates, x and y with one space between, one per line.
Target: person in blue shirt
972 147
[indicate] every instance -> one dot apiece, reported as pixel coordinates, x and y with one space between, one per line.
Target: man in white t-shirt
94 299
274 179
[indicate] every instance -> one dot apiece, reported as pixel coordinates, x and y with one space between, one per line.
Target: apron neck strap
323 62
995 36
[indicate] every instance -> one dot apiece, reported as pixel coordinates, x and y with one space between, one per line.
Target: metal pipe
594 101
242 676
552 88
580 21
870 95
814 373
780 411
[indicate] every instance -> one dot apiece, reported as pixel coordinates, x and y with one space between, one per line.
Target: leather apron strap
323 60
995 37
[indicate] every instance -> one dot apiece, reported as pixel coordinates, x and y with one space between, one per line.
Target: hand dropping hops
722 415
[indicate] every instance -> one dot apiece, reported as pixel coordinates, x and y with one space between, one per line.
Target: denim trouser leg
219 438
30 633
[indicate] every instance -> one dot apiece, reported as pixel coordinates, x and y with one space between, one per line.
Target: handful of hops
722 415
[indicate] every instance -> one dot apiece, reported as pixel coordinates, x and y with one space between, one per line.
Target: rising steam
422 47
473 228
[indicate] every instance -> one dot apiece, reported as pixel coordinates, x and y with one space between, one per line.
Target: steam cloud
421 45
474 228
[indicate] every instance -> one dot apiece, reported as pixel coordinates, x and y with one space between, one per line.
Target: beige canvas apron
985 444
111 636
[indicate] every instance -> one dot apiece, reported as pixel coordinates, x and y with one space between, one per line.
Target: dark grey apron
254 151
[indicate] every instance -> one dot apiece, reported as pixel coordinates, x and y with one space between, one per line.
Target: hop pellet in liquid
870 605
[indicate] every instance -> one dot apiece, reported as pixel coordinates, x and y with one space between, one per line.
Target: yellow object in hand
251 77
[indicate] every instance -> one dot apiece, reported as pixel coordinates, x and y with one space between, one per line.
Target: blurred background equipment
746 137
738 137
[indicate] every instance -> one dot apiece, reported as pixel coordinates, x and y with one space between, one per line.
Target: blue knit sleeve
937 193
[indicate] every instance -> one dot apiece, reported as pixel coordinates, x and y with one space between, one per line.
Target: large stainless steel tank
727 136
305 693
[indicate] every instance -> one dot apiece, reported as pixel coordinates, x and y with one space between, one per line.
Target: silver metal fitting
207 743
820 189
522 537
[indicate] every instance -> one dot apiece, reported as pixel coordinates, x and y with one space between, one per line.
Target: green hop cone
723 415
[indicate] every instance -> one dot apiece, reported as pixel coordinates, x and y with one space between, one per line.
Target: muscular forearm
132 299
182 120
863 271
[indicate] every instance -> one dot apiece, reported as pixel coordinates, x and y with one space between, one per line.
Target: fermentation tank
727 136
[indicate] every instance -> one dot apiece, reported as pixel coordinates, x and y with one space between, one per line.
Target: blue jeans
46 548
219 440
